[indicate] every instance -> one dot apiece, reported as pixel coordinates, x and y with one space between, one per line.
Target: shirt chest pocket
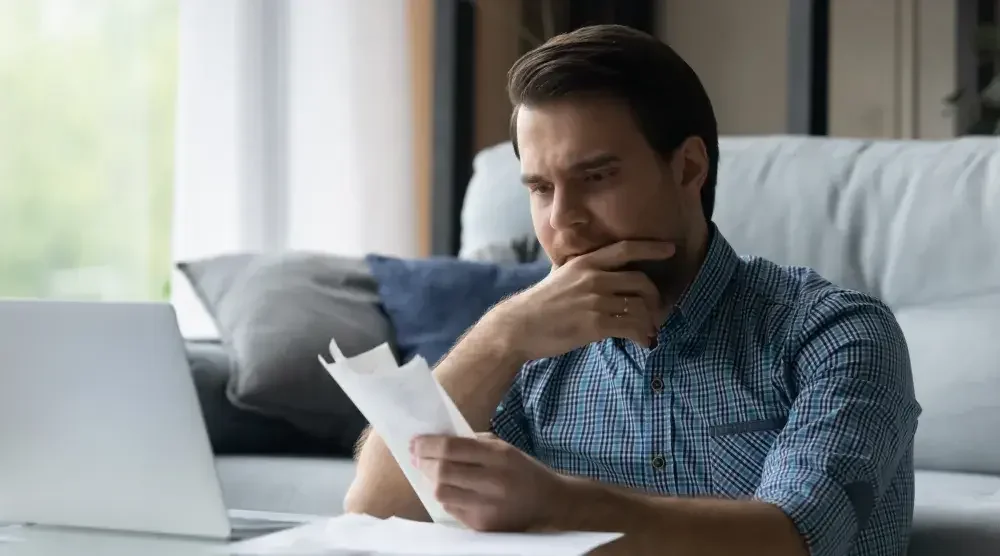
738 451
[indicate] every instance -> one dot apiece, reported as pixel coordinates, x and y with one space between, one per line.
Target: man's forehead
537 160
560 135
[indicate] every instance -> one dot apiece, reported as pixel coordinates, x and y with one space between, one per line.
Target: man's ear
690 164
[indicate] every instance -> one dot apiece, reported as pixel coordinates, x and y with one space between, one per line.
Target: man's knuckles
625 251
593 301
448 470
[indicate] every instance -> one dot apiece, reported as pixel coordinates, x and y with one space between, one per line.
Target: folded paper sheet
361 534
399 403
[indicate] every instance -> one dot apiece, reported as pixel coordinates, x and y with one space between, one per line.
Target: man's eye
601 175
540 188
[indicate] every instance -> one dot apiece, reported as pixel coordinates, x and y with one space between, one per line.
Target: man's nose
568 210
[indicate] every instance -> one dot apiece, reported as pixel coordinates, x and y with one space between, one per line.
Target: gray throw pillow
275 314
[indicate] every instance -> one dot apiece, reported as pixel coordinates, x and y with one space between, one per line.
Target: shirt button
658 462
657 385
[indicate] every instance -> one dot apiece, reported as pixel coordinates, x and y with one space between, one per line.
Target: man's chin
663 273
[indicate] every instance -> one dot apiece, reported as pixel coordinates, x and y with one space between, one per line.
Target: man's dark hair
665 94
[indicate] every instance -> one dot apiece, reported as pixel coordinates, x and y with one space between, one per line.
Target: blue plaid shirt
768 382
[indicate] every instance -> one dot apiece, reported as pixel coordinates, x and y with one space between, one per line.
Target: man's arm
849 439
476 374
682 526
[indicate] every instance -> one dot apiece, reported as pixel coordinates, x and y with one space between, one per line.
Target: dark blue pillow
431 302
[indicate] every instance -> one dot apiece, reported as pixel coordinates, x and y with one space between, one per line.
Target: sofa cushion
495 206
276 313
432 302
908 221
955 513
956 374
233 430
314 486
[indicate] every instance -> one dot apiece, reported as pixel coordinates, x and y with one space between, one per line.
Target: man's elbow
383 503
358 501
353 503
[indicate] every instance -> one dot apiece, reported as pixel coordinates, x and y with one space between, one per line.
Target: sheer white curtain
294 132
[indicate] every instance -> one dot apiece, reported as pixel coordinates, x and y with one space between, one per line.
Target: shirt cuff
821 511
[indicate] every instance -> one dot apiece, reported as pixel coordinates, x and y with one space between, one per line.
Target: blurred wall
739 49
420 21
498 46
892 63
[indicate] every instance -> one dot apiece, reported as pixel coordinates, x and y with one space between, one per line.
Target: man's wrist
556 514
498 330
562 510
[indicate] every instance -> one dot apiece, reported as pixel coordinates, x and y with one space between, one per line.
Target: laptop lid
100 424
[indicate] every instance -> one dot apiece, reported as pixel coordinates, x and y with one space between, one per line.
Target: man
655 383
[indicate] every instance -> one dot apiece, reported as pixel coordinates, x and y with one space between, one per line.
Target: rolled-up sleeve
510 423
850 429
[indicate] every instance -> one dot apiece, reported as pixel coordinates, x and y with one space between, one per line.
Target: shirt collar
709 284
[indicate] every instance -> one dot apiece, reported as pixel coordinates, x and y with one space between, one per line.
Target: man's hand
587 300
486 483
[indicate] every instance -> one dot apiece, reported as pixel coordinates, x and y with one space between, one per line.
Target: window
87 93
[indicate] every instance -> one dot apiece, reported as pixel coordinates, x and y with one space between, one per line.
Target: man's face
595 180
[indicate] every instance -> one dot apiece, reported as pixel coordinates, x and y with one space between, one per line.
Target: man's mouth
662 273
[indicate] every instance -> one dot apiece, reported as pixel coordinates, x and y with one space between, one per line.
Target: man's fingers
463 463
632 284
454 448
453 497
631 326
620 306
465 476
617 255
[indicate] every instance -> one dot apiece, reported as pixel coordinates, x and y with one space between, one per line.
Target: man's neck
693 257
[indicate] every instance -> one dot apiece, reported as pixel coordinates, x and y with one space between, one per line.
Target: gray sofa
264 463
916 223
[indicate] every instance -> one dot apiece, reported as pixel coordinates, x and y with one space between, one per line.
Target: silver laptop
100 425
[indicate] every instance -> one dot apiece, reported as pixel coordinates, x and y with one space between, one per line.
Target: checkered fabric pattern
768 382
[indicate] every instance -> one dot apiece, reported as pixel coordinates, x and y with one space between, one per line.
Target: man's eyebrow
592 163
529 179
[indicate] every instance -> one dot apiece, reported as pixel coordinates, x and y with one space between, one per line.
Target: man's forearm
480 369
660 524
476 374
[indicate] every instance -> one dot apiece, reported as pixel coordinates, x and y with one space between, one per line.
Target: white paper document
351 534
399 403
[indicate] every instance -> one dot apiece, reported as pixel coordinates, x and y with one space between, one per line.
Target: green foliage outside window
87 92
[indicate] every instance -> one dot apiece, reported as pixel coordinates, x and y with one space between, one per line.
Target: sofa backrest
916 223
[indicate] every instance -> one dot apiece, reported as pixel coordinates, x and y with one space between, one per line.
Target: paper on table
399 403
400 536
